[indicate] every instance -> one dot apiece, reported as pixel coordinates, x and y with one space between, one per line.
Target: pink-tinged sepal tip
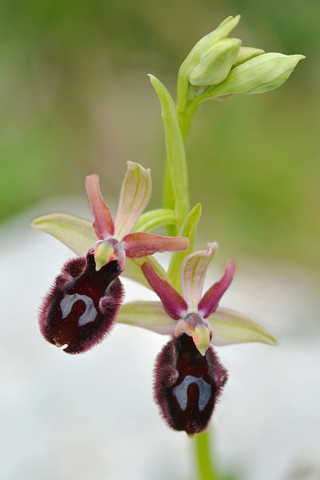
82 305
187 384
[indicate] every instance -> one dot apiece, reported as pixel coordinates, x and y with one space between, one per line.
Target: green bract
176 157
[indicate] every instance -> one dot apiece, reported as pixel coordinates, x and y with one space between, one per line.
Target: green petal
155 219
133 270
75 232
149 315
229 326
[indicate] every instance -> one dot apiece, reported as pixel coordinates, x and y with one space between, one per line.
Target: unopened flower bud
260 74
199 50
216 62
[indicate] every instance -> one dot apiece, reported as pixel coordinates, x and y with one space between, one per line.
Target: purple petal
142 244
211 298
192 274
173 303
103 224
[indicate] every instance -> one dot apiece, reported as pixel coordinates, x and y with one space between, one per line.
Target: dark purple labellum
187 384
82 305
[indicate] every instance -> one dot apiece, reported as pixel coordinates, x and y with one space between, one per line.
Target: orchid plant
86 298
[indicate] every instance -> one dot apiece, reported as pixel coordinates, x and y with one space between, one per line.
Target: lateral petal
211 298
103 221
141 244
173 303
133 270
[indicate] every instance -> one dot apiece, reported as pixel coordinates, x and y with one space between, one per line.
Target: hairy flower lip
82 305
187 385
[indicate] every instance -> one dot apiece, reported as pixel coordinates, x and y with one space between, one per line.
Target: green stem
185 118
184 123
206 469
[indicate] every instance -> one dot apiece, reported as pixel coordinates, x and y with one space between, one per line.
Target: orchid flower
115 240
188 375
83 303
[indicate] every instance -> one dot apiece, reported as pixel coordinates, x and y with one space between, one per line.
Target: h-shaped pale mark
181 392
90 313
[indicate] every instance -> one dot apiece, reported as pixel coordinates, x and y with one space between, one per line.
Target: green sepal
156 218
229 326
188 230
176 157
149 315
76 233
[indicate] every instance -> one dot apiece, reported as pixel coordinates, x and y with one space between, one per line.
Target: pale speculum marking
181 392
88 315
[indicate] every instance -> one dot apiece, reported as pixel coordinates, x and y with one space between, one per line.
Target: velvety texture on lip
187 384
82 305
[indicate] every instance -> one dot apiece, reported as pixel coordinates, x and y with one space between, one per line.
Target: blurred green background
76 99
